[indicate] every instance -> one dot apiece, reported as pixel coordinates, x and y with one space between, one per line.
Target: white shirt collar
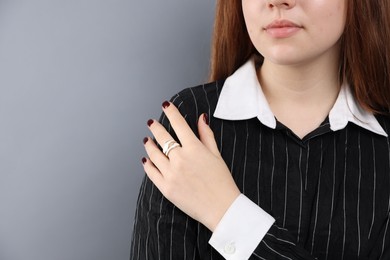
242 98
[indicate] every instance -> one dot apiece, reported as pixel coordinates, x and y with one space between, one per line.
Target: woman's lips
282 28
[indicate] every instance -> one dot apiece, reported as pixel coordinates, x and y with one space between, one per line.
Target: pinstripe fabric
329 193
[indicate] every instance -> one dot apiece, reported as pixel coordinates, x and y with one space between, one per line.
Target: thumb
206 135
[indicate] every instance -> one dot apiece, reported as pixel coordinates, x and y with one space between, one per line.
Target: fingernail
145 140
165 104
143 160
206 118
150 122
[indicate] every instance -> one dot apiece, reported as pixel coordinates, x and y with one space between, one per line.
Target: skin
185 177
299 77
321 24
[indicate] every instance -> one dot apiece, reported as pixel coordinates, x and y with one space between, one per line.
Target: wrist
213 217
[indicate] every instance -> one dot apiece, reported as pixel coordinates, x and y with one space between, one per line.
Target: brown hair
365 49
231 45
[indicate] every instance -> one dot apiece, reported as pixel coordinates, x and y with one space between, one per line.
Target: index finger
179 124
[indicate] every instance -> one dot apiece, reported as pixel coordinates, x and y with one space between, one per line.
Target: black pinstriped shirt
329 192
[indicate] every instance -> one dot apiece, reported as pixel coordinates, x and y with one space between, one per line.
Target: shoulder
208 91
384 121
194 101
198 99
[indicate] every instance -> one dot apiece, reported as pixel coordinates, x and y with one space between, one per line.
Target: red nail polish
143 160
150 122
145 140
165 104
206 118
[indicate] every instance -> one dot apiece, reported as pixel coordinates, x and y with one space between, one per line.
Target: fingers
183 132
159 132
154 153
206 135
153 173
178 123
182 129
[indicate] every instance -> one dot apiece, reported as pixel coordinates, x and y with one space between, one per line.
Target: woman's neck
300 96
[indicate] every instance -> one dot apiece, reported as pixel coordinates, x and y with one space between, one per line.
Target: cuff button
230 248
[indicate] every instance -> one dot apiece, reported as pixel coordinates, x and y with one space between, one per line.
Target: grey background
78 81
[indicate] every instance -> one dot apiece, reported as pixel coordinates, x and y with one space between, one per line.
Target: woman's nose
286 4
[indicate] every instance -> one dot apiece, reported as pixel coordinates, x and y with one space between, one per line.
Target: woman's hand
194 177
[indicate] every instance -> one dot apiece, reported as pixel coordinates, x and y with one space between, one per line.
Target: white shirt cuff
241 229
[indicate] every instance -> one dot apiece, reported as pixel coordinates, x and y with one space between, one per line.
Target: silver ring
169 145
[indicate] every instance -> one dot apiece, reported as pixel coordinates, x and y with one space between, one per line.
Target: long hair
231 45
364 52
